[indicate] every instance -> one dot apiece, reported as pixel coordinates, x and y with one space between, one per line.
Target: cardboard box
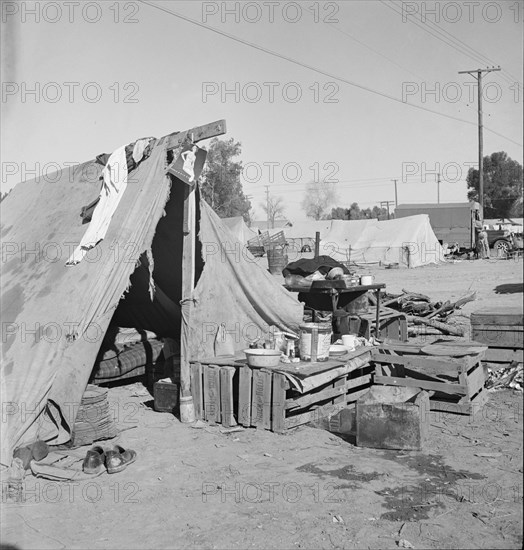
390 417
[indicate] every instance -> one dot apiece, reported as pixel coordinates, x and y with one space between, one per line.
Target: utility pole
386 203
396 199
481 144
438 188
267 204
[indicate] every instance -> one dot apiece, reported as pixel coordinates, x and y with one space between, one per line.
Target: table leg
377 316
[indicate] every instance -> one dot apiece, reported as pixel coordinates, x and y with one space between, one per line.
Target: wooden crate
502 330
393 326
232 393
456 382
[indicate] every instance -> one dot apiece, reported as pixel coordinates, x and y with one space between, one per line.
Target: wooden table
330 299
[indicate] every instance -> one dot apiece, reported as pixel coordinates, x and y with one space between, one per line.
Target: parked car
500 241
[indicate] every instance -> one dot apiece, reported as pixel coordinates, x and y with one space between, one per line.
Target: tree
355 213
221 185
274 208
339 213
319 196
502 186
376 213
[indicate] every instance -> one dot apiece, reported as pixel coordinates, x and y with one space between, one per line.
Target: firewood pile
426 316
506 377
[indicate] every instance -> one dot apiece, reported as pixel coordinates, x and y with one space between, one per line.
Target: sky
353 93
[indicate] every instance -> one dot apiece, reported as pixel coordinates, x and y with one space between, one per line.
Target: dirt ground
202 488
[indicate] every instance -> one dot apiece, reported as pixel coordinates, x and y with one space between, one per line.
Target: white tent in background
410 242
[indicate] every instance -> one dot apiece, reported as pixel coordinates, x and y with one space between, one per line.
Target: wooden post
188 257
317 244
187 411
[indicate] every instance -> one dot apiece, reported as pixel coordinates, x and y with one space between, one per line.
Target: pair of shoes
115 460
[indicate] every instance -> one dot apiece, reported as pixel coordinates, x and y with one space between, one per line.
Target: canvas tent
410 241
55 316
238 227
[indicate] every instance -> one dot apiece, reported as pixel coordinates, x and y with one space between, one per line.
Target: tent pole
187 411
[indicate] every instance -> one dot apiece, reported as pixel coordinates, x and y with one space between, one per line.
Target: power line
462 46
316 69
373 50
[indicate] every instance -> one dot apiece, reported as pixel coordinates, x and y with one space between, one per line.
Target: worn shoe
94 461
35 451
118 459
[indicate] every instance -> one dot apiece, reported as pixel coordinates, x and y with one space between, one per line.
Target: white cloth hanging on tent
115 183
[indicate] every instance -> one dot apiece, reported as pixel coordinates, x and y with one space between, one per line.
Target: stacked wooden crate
501 329
227 391
451 370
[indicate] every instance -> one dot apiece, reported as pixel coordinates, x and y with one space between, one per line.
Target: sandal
118 459
94 461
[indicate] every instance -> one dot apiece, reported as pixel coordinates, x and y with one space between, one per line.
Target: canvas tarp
54 317
238 227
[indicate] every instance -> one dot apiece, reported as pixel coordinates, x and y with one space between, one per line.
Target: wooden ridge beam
198 133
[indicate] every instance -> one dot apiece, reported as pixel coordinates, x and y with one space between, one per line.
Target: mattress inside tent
126 353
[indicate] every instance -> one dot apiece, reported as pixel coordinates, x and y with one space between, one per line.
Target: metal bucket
276 259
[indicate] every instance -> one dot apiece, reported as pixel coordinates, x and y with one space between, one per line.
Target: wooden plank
226 396
360 381
196 390
510 328
424 363
403 330
244 396
340 383
477 379
316 396
406 348
499 338
205 379
443 387
224 361
198 133
261 399
211 393
502 355
278 405
466 406
498 316
401 372
352 396
312 416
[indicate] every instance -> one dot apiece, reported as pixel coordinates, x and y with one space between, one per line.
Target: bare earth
201 488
